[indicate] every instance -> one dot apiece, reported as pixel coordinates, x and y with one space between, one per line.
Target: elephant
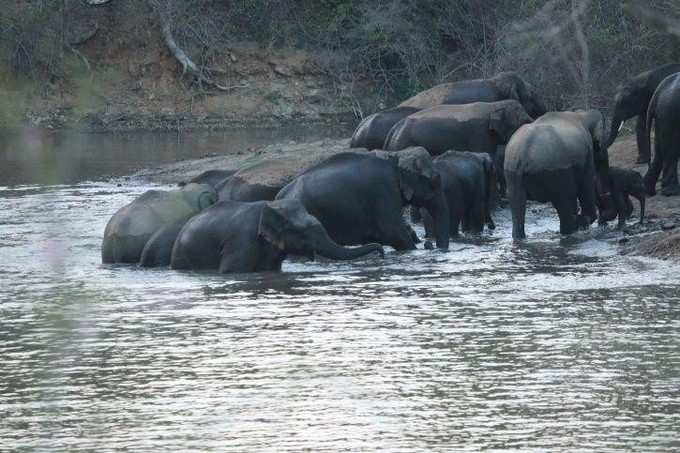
239 237
158 249
498 161
468 181
624 183
210 177
128 231
664 115
556 159
478 127
372 131
632 99
358 197
263 180
504 86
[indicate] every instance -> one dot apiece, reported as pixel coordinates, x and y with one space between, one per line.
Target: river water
548 345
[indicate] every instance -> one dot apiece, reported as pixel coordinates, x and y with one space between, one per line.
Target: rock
624 240
667 226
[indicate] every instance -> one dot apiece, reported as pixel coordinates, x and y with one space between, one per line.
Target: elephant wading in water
372 131
624 183
131 227
468 181
238 237
358 197
478 127
632 99
664 115
556 159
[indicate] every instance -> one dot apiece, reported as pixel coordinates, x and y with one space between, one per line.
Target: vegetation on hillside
574 51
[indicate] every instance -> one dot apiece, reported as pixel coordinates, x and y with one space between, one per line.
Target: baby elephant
623 183
469 184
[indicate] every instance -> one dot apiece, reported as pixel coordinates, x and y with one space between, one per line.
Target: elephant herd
448 153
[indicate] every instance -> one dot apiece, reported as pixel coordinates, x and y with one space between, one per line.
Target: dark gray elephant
632 99
211 177
498 161
372 131
130 228
158 249
478 127
664 115
469 183
623 183
238 237
556 159
358 197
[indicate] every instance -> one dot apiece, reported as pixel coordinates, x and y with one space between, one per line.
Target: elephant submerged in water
478 127
131 227
632 99
238 237
372 131
556 159
358 197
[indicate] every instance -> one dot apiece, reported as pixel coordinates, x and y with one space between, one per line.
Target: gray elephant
664 115
130 228
632 99
358 197
556 159
239 237
372 131
623 183
478 127
469 183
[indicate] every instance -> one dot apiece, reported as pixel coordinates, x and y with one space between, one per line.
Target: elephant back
131 226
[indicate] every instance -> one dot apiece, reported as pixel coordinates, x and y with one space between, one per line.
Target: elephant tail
651 115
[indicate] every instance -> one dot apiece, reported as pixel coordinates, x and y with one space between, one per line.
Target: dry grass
663 246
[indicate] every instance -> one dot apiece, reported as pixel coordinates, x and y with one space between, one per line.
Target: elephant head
515 87
199 196
505 120
288 227
630 99
420 185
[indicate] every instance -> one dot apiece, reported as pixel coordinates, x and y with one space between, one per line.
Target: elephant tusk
620 127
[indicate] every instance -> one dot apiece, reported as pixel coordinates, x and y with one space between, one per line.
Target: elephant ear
414 165
271 227
498 124
207 199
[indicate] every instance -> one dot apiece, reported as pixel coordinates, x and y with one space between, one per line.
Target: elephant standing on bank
238 237
478 127
469 183
358 197
664 115
556 159
131 227
372 131
632 99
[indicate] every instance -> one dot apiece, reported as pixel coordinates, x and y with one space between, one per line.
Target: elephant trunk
326 247
617 124
439 210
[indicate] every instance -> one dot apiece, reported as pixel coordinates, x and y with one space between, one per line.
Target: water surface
549 345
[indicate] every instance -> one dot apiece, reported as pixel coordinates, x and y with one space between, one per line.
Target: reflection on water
36 156
549 345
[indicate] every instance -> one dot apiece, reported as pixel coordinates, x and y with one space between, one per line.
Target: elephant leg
629 206
518 204
620 200
400 237
416 216
643 149
654 170
477 218
585 195
428 221
669 181
455 218
566 210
